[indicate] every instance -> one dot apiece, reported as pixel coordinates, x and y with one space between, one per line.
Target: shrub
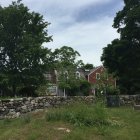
110 90
85 87
28 91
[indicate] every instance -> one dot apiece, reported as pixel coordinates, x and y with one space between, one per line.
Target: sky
84 25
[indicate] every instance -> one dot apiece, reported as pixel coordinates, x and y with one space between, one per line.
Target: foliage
105 85
88 66
66 56
124 125
110 90
81 115
85 87
28 91
122 56
66 64
23 58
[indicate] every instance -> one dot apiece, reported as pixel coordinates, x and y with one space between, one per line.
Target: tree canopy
67 56
23 59
122 56
88 66
66 63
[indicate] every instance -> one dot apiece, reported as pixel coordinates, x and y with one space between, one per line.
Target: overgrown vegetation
84 122
24 60
122 56
80 115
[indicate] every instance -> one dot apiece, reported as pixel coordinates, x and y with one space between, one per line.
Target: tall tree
23 59
66 64
122 56
67 56
88 66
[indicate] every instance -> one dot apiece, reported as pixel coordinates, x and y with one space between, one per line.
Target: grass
85 122
80 114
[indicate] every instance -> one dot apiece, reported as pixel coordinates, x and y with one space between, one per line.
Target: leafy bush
110 90
28 91
85 87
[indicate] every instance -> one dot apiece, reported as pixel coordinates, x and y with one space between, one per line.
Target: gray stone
27 102
13 108
33 102
41 104
47 104
136 107
24 107
18 114
11 100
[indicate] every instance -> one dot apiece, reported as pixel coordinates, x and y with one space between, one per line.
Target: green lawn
85 122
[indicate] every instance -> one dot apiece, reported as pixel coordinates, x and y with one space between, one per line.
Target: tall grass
80 114
25 119
85 122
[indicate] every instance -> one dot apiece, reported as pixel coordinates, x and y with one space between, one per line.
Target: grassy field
74 122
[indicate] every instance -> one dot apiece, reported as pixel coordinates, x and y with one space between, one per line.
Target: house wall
92 76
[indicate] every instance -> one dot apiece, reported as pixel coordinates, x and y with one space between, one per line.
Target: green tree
88 66
122 56
67 56
85 87
105 85
23 59
66 64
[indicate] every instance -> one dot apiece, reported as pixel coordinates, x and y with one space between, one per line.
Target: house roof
88 72
93 70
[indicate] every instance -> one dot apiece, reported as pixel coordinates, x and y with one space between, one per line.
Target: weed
80 115
25 119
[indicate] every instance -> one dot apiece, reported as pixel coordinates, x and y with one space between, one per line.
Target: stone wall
129 99
13 108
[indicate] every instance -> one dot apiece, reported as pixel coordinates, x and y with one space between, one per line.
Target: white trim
77 74
98 74
88 77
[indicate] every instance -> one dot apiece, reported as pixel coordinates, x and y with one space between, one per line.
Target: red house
94 76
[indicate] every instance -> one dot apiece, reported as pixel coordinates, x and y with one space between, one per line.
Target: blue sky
85 25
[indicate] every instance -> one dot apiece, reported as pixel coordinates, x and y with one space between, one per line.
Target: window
48 76
77 75
97 76
52 89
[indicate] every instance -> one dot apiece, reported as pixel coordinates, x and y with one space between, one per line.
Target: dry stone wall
13 108
129 99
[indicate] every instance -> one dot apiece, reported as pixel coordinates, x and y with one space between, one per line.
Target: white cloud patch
86 38
57 8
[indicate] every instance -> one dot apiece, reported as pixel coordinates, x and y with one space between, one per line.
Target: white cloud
59 4
87 38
